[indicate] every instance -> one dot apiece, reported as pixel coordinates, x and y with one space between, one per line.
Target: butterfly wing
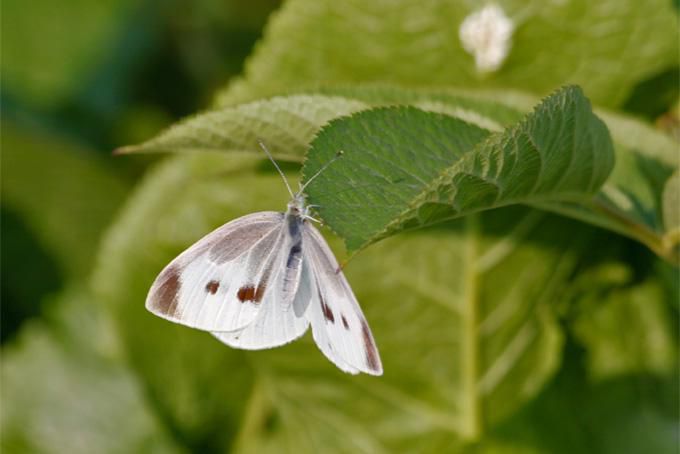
282 316
339 327
220 283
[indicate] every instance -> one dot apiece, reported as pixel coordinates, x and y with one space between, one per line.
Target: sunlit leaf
606 46
66 391
405 168
285 125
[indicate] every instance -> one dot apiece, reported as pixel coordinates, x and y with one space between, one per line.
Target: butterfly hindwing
338 325
221 282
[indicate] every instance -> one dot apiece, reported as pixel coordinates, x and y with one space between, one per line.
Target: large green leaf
57 197
630 414
286 125
51 47
54 185
403 168
65 389
465 339
606 46
627 329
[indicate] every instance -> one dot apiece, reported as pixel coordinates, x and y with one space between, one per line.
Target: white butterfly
259 281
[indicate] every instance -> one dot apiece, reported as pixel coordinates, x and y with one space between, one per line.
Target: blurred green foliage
550 328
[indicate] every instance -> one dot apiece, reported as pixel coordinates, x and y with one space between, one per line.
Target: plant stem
471 417
255 414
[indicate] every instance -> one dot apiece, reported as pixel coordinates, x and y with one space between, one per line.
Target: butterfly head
297 205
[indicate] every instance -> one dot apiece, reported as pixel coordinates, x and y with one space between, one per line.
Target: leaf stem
255 415
471 418
666 249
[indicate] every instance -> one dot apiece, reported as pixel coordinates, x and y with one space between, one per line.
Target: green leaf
285 125
64 193
629 414
403 168
49 48
606 47
462 350
65 390
630 201
646 344
466 105
23 258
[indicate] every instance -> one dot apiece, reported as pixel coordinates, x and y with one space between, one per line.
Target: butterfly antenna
325 166
271 158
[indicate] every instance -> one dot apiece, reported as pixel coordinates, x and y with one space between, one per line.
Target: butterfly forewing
220 282
282 317
338 325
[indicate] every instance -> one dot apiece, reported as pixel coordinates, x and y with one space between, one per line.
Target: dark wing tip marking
250 293
344 321
369 346
167 296
212 287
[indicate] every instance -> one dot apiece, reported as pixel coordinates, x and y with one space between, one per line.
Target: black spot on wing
246 293
212 287
251 293
255 294
344 321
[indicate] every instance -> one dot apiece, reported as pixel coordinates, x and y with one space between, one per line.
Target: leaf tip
127 149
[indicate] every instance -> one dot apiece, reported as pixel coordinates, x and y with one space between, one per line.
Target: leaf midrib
471 414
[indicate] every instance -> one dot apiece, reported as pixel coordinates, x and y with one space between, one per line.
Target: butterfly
261 280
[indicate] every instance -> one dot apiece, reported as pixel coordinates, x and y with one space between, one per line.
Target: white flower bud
487 35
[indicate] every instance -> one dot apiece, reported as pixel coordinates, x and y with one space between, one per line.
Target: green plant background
544 319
